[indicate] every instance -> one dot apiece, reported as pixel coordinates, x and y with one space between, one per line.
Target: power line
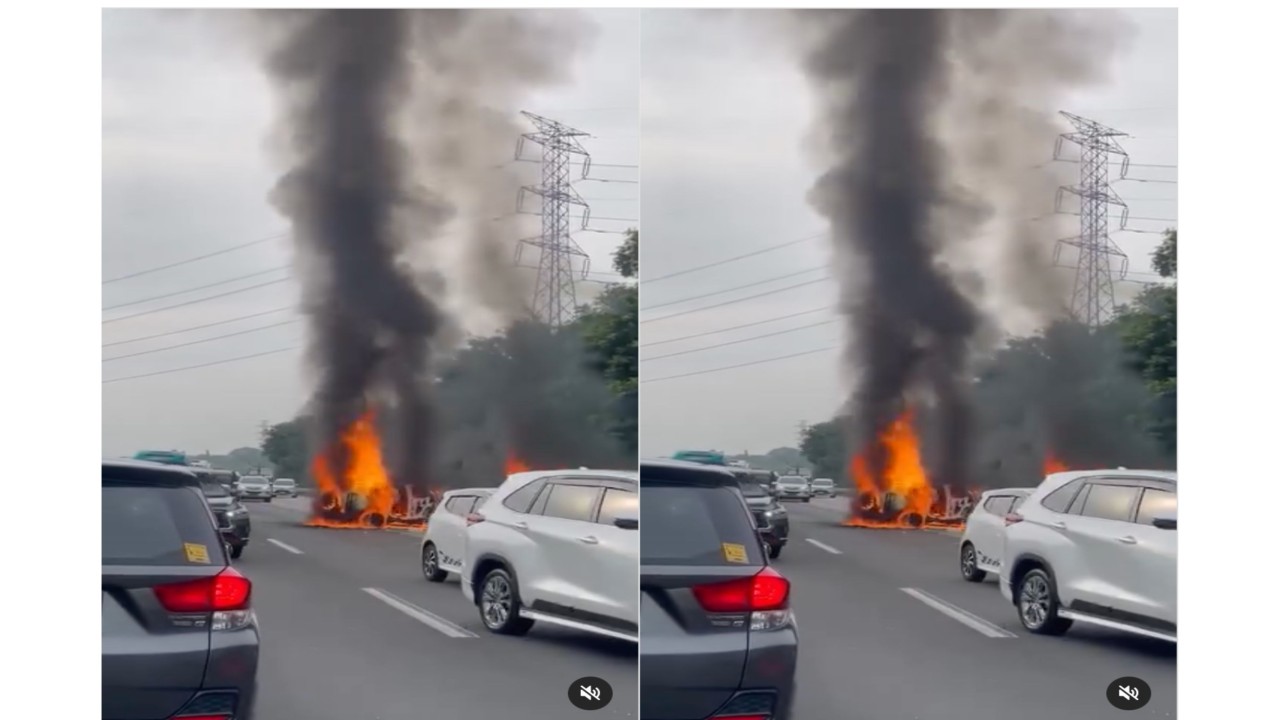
736 257
737 327
201 287
194 302
609 180
201 341
740 287
202 365
740 341
740 365
731 302
197 327
194 259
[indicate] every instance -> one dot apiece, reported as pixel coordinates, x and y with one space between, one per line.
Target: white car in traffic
444 540
794 487
825 487
560 547
982 544
1098 547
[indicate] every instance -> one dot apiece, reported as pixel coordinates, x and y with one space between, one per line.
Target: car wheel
237 551
431 564
775 551
806 499
500 604
1038 604
268 499
969 564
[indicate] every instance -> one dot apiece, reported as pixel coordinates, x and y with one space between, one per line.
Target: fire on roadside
902 496
1053 465
515 465
363 495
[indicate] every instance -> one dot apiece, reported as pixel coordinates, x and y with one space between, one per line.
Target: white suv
982 543
1098 547
444 540
560 547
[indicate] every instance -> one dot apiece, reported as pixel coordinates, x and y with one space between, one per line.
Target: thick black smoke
355 210
932 122
399 126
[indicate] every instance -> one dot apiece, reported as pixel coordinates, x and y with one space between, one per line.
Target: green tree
609 328
823 444
285 445
1149 329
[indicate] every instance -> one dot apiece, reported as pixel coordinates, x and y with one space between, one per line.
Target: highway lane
872 650
352 631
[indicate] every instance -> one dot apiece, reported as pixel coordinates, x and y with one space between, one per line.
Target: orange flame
903 496
363 496
1053 465
516 465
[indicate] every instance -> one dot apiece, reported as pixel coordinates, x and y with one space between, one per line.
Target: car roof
469 491
1008 491
817 480
687 473
531 475
148 473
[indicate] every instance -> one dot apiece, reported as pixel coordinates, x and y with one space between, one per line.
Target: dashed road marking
960 615
284 545
823 546
426 617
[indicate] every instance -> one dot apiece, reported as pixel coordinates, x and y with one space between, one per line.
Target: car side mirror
627 521
1166 523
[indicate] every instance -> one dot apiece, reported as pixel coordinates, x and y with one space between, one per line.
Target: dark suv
232 516
179 638
717 637
771 517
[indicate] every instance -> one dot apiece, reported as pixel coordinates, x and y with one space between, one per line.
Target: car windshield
791 481
253 481
213 488
824 483
284 482
751 488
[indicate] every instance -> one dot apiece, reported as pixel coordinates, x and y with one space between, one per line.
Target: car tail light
226 595
473 518
765 595
1012 518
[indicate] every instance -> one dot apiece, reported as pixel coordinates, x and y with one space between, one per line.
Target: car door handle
1128 540
521 525
1059 525
590 539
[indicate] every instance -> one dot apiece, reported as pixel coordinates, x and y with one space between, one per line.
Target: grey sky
186 114
724 115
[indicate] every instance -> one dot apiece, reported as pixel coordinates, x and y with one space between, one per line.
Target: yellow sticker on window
196 553
734 552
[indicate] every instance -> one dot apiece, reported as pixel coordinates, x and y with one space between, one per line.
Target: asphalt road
874 646
352 631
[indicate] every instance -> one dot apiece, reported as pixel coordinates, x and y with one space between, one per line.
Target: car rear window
1156 503
1109 502
157 526
692 525
213 488
751 488
617 503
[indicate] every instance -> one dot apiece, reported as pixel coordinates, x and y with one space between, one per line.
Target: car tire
806 499
775 551
268 499
1037 603
431 564
499 603
969 564
237 551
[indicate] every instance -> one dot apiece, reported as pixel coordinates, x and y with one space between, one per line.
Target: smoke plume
933 123
396 125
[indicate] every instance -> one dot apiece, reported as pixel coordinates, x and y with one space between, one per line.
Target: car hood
222 503
756 503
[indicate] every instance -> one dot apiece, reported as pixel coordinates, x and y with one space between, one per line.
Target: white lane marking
961 615
425 617
824 546
286 546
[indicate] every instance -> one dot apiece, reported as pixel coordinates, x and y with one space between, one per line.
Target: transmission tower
555 298
1093 297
